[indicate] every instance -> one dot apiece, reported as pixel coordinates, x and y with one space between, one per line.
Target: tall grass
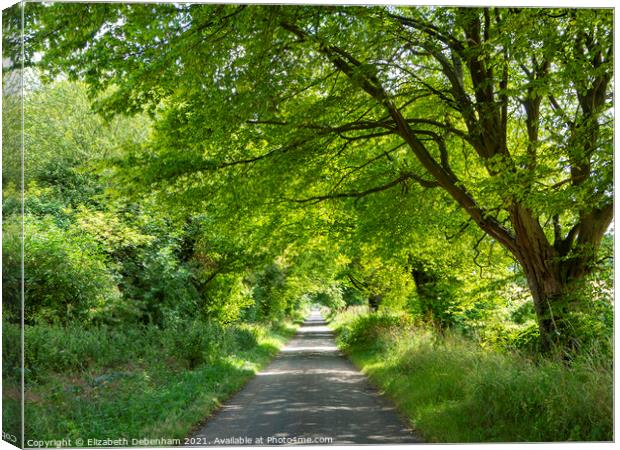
453 390
135 381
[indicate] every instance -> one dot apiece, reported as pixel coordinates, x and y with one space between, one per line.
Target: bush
65 274
372 330
332 297
269 285
352 296
196 342
227 297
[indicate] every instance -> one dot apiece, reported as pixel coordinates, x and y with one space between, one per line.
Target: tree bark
553 273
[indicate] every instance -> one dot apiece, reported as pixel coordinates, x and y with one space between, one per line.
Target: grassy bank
452 390
137 382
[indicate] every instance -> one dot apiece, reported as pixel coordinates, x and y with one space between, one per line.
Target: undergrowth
135 381
454 390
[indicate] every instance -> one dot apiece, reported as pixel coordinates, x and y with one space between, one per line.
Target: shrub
194 342
71 348
269 285
65 274
227 297
55 348
372 330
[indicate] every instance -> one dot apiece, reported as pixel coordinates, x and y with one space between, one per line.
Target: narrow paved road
310 393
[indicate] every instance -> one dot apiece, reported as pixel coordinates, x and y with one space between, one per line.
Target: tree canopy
385 128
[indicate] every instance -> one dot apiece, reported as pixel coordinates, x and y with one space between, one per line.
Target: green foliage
137 381
194 343
371 330
271 292
194 172
158 283
310 104
436 303
11 352
227 296
452 390
66 278
76 349
334 297
352 297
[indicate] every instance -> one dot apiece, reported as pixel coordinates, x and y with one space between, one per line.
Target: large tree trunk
541 265
548 292
555 298
553 274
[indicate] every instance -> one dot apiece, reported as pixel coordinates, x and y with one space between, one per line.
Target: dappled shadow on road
310 391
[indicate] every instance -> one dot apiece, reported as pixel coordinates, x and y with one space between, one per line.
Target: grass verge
452 390
140 383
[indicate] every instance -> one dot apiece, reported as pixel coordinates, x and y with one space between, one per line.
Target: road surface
309 394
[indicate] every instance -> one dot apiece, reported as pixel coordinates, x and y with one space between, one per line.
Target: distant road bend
309 394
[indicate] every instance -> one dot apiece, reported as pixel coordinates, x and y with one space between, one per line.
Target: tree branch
405 176
444 178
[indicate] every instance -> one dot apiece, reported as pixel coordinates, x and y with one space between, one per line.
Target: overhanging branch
405 176
445 178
